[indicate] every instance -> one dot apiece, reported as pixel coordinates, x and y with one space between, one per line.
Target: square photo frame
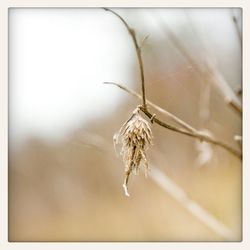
7 243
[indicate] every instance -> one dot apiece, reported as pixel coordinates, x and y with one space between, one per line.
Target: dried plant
135 135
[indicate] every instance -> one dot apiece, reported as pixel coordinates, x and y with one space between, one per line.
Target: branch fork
133 149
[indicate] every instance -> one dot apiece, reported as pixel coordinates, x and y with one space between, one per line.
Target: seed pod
135 136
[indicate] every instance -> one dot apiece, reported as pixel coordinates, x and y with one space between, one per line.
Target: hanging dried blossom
135 136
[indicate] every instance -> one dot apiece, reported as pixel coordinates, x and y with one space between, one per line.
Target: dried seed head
135 136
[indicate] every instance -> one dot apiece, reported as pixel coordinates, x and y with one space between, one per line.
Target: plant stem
190 131
161 110
202 137
138 53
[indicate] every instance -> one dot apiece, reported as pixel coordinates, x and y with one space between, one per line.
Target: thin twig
165 182
169 186
174 190
238 139
193 133
239 91
161 110
138 53
229 95
237 28
215 76
202 137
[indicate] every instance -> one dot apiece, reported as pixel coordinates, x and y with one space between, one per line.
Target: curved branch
190 131
214 75
161 110
138 53
202 137
173 189
199 212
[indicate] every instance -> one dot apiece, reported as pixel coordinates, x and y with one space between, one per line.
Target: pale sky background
60 57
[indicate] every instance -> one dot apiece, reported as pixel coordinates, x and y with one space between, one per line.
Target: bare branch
192 206
138 53
165 182
237 27
229 95
193 132
189 130
161 110
238 139
174 190
202 137
216 77
238 91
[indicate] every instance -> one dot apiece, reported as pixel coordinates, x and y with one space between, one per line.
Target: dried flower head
135 136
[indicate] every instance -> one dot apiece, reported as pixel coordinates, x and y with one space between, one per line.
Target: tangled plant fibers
135 136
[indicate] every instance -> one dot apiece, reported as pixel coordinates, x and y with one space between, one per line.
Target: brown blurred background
71 189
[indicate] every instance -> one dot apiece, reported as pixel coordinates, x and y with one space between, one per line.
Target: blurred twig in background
160 178
70 189
175 191
238 139
230 96
237 27
215 76
169 186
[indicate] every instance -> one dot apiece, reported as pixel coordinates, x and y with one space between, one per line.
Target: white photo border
4 7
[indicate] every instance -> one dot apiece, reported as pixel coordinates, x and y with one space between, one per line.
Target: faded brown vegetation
71 191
